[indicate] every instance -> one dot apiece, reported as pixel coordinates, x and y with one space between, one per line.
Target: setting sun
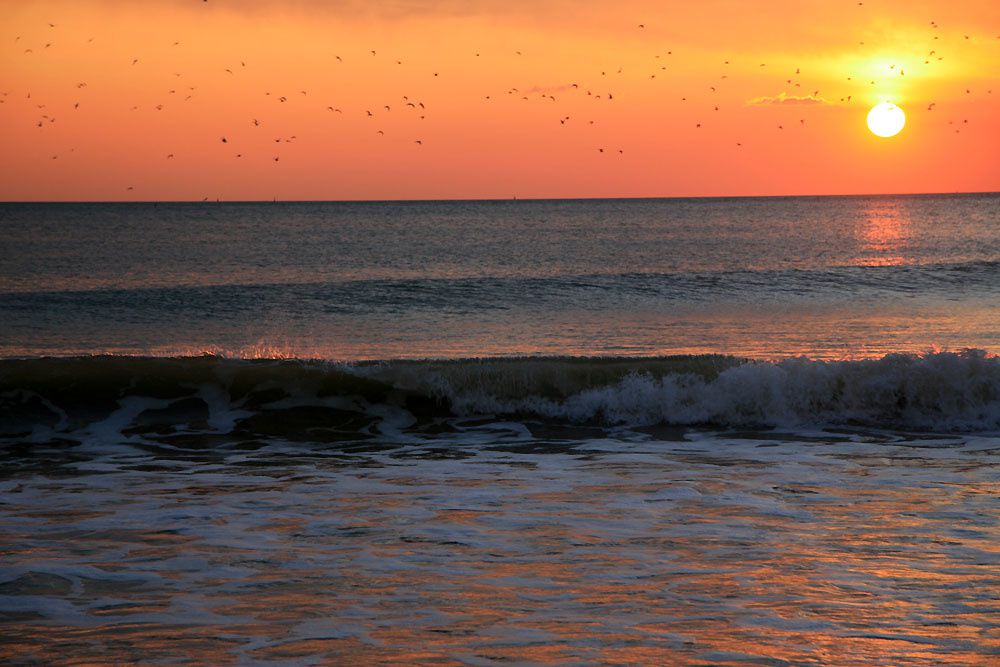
886 119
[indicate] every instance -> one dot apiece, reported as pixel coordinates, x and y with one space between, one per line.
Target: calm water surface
828 277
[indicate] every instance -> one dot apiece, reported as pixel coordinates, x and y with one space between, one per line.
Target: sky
469 99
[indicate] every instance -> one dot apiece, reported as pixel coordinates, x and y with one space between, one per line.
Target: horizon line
486 199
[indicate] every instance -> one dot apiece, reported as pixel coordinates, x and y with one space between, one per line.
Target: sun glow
886 119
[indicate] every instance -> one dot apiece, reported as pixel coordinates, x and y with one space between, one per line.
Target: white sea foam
937 391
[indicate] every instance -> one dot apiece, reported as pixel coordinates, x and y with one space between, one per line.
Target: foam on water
105 398
937 391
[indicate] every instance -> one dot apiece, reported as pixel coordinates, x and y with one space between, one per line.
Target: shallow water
485 544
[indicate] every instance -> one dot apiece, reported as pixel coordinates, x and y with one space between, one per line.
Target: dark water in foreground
692 510
834 502
490 545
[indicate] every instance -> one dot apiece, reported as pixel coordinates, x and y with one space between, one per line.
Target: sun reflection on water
884 236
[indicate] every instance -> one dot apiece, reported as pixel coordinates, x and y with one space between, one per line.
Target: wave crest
942 391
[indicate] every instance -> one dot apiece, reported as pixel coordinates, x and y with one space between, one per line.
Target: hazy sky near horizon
185 99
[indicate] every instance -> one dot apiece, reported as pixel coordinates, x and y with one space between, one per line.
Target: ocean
721 431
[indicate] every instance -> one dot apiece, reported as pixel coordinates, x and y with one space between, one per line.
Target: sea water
700 431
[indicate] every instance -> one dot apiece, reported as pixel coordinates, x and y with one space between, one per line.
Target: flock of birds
659 66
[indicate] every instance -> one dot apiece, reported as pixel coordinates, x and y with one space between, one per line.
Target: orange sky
480 139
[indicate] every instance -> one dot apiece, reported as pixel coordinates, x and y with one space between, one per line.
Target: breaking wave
315 400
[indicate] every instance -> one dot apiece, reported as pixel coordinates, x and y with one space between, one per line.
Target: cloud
547 90
782 98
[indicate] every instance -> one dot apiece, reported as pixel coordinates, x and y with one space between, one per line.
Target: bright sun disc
886 119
